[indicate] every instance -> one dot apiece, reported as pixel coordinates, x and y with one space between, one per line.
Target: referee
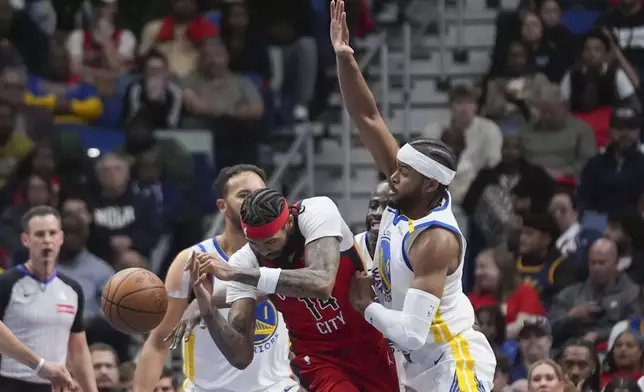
44 309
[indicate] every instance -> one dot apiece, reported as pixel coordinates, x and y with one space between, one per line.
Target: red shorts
365 368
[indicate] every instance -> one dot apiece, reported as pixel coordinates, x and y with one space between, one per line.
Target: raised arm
358 99
432 255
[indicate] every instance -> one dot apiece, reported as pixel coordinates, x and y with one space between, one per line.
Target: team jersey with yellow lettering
455 356
206 368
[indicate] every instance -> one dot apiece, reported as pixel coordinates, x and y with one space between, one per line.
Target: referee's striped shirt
42 314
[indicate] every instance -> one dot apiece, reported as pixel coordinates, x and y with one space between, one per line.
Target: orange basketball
134 300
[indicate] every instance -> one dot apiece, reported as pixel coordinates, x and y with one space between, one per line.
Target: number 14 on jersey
316 306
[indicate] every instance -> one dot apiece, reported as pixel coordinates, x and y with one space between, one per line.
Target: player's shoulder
73 284
244 257
360 237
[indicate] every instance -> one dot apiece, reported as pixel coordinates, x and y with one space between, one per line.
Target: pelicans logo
384 267
265 326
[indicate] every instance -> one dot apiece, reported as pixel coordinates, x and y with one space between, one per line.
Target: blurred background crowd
100 100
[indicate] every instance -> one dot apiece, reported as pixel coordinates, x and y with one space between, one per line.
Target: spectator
622 384
126 370
509 95
611 180
491 322
624 359
155 92
557 141
555 33
546 375
625 22
177 162
488 200
501 374
575 240
590 309
35 122
13 146
22 39
78 263
228 103
580 362
497 283
597 83
535 341
288 26
77 206
476 141
597 80
540 263
247 50
167 383
106 365
130 223
551 60
101 52
178 35
626 230
36 191
70 98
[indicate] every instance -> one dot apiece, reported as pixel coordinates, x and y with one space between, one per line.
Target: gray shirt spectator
557 141
590 309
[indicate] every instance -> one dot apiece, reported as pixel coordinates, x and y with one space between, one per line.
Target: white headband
425 165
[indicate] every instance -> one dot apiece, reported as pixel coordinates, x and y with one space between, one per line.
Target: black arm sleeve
78 325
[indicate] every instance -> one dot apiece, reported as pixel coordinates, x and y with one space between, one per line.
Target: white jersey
206 368
455 355
361 242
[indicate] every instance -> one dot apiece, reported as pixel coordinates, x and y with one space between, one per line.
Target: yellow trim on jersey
410 225
189 357
185 384
356 247
461 352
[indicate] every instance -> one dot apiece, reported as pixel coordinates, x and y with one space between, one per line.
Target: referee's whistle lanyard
43 284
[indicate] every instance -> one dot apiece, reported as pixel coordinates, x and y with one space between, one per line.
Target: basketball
134 301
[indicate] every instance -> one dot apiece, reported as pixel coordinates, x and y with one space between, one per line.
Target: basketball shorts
365 368
287 385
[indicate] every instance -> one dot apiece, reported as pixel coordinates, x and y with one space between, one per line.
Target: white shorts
441 371
287 385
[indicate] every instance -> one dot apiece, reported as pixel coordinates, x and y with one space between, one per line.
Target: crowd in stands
550 182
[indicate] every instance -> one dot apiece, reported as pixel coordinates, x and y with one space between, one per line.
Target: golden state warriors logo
384 264
266 323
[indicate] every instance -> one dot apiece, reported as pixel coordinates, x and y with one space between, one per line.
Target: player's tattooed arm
234 337
316 280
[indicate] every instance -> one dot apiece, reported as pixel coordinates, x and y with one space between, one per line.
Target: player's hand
189 320
339 29
211 264
361 292
58 375
197 279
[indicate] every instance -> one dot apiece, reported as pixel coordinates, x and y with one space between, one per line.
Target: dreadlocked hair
264 206
441 153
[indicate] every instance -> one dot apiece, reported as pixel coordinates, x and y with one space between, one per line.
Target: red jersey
320 325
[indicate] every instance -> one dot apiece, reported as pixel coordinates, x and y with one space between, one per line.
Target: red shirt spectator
497 283
624 358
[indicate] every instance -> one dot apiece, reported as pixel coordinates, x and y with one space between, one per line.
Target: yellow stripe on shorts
460 350
189 358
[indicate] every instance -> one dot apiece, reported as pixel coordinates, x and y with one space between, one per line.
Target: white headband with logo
425 165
